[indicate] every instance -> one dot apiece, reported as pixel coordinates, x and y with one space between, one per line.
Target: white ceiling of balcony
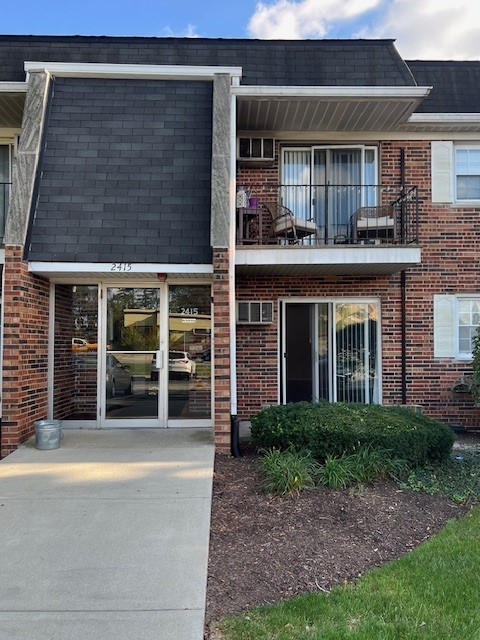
325 109
12 100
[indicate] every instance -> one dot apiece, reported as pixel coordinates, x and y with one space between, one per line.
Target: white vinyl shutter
444 329
442 171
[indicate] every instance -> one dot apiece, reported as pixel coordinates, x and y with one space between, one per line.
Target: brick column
25 354
221 341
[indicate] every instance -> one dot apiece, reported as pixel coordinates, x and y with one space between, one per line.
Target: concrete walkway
106 537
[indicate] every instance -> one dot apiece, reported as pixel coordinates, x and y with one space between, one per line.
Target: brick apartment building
195 228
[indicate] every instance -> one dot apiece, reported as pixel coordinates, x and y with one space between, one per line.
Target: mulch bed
264 549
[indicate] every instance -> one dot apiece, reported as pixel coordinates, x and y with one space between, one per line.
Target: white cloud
286 19
431 29
188 32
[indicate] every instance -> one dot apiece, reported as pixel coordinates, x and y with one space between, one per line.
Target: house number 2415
121 266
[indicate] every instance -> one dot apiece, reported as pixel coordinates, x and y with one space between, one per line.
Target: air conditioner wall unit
256 149
253 312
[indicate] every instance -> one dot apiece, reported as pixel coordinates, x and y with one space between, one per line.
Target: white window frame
333 302
462 298
463 147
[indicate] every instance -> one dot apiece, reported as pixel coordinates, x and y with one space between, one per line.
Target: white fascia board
130 71
444 118
292 256
407 93
116 268
13 87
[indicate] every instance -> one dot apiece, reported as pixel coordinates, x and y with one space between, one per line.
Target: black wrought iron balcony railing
327 214
4 200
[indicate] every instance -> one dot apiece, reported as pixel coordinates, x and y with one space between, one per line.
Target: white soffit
325 108
12 100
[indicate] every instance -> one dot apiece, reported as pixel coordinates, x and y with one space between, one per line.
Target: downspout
403 285
234 423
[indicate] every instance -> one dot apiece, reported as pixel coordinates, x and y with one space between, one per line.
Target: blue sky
436 29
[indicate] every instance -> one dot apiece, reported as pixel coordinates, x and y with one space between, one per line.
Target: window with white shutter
442 171
455 323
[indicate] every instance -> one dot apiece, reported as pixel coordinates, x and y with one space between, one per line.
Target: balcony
326 229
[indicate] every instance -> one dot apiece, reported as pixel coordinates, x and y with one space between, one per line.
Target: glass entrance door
133 357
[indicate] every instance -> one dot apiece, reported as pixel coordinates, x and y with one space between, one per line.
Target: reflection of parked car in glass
179 364
118 378
207 355
79 345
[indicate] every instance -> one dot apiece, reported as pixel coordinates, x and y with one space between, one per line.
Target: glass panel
370 179
190 355
296 181
345 196
323 352
468 321
299 371
75 352
131 377
320 190
468 187
356 353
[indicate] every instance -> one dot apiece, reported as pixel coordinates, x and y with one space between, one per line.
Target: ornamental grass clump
330 430
288 472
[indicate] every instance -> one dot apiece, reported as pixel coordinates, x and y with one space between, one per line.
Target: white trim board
331 92
13 87
116 268
131 71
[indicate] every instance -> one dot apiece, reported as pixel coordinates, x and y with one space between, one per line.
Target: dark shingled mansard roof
264 62
456 85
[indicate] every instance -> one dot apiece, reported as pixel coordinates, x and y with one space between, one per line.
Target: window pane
190 355
468 187
468 321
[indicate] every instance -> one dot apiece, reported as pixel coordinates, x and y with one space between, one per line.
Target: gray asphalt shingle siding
294 62
126 173
456 85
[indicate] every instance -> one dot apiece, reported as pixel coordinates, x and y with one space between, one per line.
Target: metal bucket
48 434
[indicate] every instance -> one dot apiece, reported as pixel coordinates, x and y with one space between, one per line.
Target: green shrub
457 478
288 472
476 367
333 429
336 473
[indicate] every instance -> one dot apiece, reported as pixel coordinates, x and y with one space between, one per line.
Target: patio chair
374 224
286 225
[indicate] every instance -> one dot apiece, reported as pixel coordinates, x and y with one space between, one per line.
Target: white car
179 365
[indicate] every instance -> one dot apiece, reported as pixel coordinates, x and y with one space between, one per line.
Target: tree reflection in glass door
190 353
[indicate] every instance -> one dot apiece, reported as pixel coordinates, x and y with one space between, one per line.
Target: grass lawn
432 593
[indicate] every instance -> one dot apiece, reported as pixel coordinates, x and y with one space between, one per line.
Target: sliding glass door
328 184
330 352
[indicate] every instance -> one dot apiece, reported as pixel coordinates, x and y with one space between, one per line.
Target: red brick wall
221 342
63 388
449 240
257 345
25 357
450 257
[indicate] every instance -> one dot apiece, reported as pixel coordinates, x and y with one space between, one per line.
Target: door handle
159 359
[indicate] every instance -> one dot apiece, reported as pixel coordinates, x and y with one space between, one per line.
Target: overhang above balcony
12 100
369 260
279 109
